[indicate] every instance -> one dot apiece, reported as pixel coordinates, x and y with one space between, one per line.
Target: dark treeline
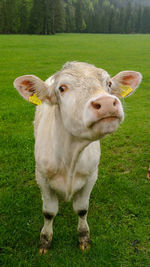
94 16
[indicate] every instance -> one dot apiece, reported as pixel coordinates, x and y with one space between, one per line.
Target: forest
78 16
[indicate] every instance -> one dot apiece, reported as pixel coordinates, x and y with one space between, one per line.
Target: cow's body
66 163
73 115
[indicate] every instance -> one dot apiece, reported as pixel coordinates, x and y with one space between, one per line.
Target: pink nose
105 106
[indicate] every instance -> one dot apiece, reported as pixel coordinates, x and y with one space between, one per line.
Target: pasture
119 213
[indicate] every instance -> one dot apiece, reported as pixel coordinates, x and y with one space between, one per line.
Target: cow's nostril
115 102
96 105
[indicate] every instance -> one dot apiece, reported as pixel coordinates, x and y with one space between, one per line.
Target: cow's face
86 96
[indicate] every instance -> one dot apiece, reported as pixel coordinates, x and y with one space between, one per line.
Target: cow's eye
63 88
109 84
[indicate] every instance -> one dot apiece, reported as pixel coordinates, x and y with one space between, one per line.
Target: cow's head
88 99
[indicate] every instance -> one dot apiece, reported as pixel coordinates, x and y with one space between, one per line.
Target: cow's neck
69 147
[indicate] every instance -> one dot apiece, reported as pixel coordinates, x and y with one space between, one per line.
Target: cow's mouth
108 119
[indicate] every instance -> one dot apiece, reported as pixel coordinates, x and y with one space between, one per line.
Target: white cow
79 106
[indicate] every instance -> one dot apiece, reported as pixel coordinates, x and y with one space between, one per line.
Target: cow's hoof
84 240
84 246
45 243
43 251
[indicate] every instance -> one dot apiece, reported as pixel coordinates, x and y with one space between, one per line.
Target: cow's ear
33 89
125 83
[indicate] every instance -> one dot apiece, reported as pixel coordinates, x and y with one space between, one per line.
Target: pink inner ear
132 80
28 84
26 88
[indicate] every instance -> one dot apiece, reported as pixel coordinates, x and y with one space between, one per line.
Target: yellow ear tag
125 90
34 100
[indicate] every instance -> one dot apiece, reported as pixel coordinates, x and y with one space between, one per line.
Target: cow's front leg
83 230
80 206
50 209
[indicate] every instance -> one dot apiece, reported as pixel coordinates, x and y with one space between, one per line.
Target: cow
77 106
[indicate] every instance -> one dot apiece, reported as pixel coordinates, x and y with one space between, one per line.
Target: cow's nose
105 105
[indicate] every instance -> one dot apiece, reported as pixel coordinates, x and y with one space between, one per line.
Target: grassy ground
119 214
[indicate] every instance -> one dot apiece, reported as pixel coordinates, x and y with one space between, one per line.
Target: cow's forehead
80 69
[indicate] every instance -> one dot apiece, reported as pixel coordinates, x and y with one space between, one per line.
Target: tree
59 23
70 16
145 22
36 20
9 20
138 20
23 16
78 16
2 16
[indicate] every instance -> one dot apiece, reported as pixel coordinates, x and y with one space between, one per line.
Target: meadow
119 213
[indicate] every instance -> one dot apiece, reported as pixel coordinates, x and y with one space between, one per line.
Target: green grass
119 213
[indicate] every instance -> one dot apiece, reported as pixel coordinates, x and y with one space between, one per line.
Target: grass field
119 213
